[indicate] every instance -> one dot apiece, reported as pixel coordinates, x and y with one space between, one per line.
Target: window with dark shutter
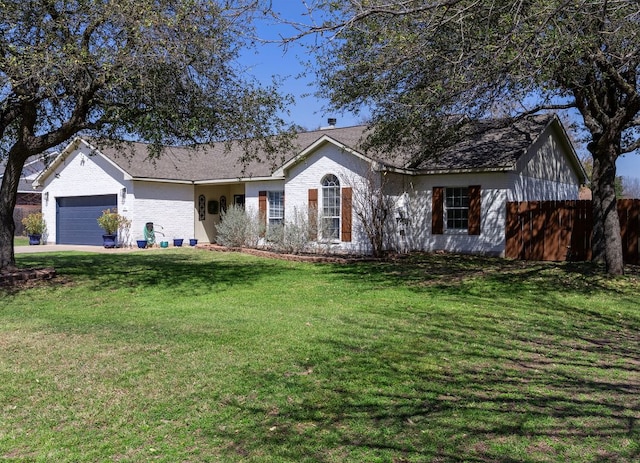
331 208
456 209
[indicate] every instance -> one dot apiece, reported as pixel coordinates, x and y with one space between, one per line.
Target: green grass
21 241
189 356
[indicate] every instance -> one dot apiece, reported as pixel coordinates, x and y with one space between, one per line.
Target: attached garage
76 218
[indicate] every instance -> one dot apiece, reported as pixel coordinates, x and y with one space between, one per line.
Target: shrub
111 222
238 227
34 224
292 238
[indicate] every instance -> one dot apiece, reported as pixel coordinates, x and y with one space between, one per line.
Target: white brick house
454 202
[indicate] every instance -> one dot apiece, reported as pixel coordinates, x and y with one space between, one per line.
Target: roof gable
316 145
75 145
487 146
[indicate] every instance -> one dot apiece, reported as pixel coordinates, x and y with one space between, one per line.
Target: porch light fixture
123 193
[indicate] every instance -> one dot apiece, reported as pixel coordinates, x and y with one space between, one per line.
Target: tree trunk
8 193
607 241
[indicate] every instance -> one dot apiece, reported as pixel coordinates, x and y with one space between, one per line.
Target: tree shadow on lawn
149 269
473 396
551 381
423 272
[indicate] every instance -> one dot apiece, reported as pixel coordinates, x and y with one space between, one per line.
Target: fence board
513 232
561 230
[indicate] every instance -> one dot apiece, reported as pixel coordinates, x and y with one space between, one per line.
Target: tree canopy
424 67
160 71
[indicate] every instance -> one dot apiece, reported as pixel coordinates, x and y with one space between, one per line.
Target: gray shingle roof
486 146
184 164
489 145
211 163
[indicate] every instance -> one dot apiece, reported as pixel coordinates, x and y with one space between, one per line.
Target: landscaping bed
11 278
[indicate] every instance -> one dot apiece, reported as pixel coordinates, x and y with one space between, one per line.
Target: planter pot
193 242
34 240
142 243
164 244
109 241
177 242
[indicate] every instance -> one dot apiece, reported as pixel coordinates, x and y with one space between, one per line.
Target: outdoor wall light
401 219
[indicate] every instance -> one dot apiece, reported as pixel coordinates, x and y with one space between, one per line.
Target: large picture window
457 209
276 207
330 207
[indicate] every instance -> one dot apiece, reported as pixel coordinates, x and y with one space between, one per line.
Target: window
238 200
276 207
330 207
202 204
457 209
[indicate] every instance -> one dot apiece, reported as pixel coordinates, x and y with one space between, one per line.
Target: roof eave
575 159
416 172
162 180
238 180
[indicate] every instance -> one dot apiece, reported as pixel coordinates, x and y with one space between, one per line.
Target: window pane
330 207
276 206
457 208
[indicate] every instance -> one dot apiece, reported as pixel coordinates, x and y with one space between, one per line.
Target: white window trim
270 217
455 231
323 188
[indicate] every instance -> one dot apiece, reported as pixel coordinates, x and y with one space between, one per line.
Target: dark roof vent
332 121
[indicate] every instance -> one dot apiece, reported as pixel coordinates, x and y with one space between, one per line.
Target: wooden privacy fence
562 230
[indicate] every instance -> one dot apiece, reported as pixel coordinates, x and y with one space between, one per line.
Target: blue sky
271 59
309 111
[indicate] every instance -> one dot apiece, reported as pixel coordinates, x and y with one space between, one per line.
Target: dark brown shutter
474 210
437 211
262 211
345 227
313 214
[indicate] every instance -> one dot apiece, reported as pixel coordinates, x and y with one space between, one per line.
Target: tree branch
630 148
544 107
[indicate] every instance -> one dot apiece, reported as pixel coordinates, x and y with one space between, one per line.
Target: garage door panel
77 218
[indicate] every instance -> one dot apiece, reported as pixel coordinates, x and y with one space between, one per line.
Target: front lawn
190 356
21 241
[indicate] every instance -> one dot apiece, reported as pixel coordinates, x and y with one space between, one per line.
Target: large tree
419 65
160 71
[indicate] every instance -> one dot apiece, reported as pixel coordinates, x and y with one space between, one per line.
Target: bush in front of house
238 228
292 238
34 224
110 221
